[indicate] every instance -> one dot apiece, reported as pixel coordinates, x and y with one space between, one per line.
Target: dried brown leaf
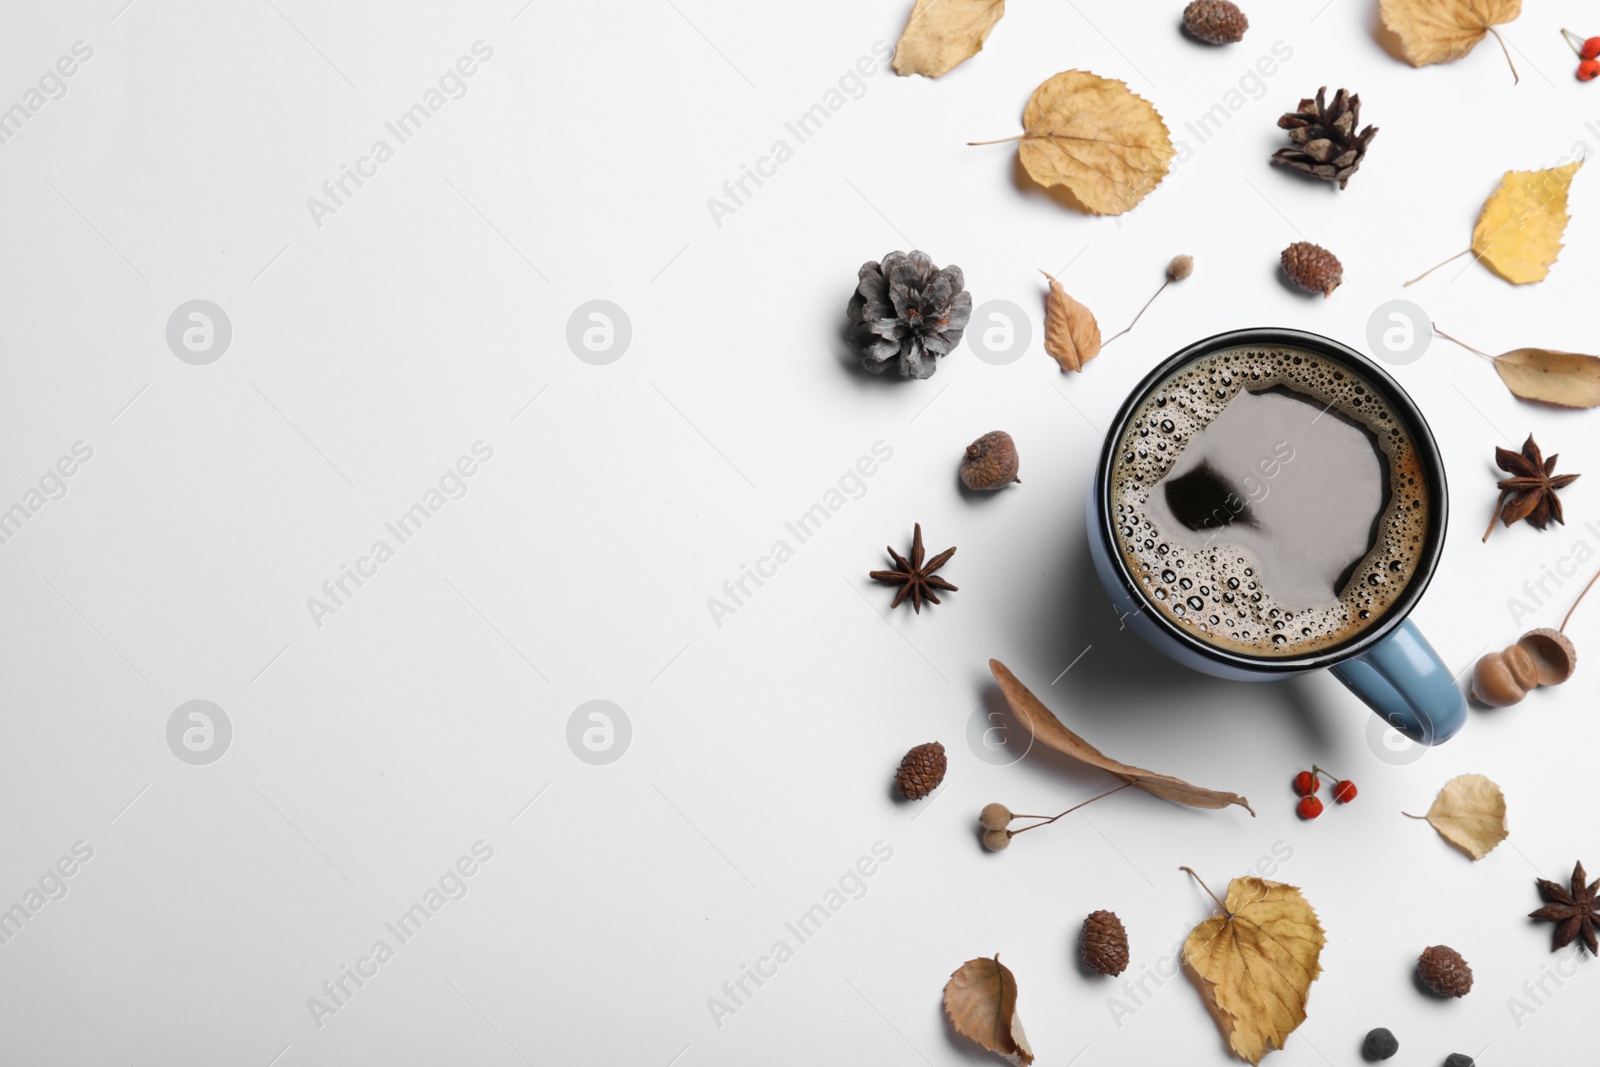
1568 379
1470 813
1256 962
1050 731
1071 334
942 34
1098 138
1441 31
981 1001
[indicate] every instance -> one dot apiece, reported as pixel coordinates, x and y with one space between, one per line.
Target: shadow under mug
1389 664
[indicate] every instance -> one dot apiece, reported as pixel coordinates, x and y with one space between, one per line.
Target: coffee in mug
1269 501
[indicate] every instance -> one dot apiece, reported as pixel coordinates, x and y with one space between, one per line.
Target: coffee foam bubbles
1216 589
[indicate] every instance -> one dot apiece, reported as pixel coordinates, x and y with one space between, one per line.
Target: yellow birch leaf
1470 813
1098 138
942 34
981 1001
1071 333
1519 231
1442 31
1256 962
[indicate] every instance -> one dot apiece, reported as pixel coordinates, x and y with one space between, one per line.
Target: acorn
990 462
1312 268
1443 971
921 771
1500 679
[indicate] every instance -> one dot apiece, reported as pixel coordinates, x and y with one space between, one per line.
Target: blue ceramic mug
1388 664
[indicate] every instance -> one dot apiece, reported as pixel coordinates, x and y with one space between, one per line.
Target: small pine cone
1104 943
990 462
1444 971
1312 268
921 771
1215 21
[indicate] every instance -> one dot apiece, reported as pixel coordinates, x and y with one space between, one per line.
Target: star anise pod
1576 913
1530 492
914 577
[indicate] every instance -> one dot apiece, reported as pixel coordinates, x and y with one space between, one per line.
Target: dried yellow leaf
1441 31
981 1001
1071 333
942 34
1256 962
1519 231
1098 138
1470 813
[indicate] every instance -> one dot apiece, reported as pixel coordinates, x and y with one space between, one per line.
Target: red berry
1309 807
1305 783
1591 48
1588 69
1344 792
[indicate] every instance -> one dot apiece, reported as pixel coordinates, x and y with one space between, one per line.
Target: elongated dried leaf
942 34
1519 231
1470 813
1071 334
1050 731
1441 31
981 1000
1098 138
1257 962
1568 379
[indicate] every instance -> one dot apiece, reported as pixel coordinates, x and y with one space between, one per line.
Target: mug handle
1404 681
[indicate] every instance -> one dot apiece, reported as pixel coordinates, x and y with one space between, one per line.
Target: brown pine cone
1444 971
1312 268
921 771
1104 943
1215 21
1326 143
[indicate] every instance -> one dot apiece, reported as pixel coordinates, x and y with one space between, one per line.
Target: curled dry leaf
981 1000
1519 231
1470 813
1565 379
1442 31
1071 334
1095 136
943 34
1256 962
1051 732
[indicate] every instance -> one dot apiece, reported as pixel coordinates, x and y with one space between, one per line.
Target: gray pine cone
907 312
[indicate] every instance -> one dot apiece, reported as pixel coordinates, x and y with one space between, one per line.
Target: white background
372 351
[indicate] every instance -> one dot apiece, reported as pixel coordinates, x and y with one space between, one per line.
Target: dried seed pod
1443 971
1215 21
1103 941
1552 652
1312 268
994 817
990 462
1180 268
921 771
997 840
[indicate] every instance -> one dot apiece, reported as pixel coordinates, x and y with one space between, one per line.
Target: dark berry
1305 783
1458 1059
1309 807
1379 1045
1344 792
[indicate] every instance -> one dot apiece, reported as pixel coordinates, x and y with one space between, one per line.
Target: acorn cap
1553 654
